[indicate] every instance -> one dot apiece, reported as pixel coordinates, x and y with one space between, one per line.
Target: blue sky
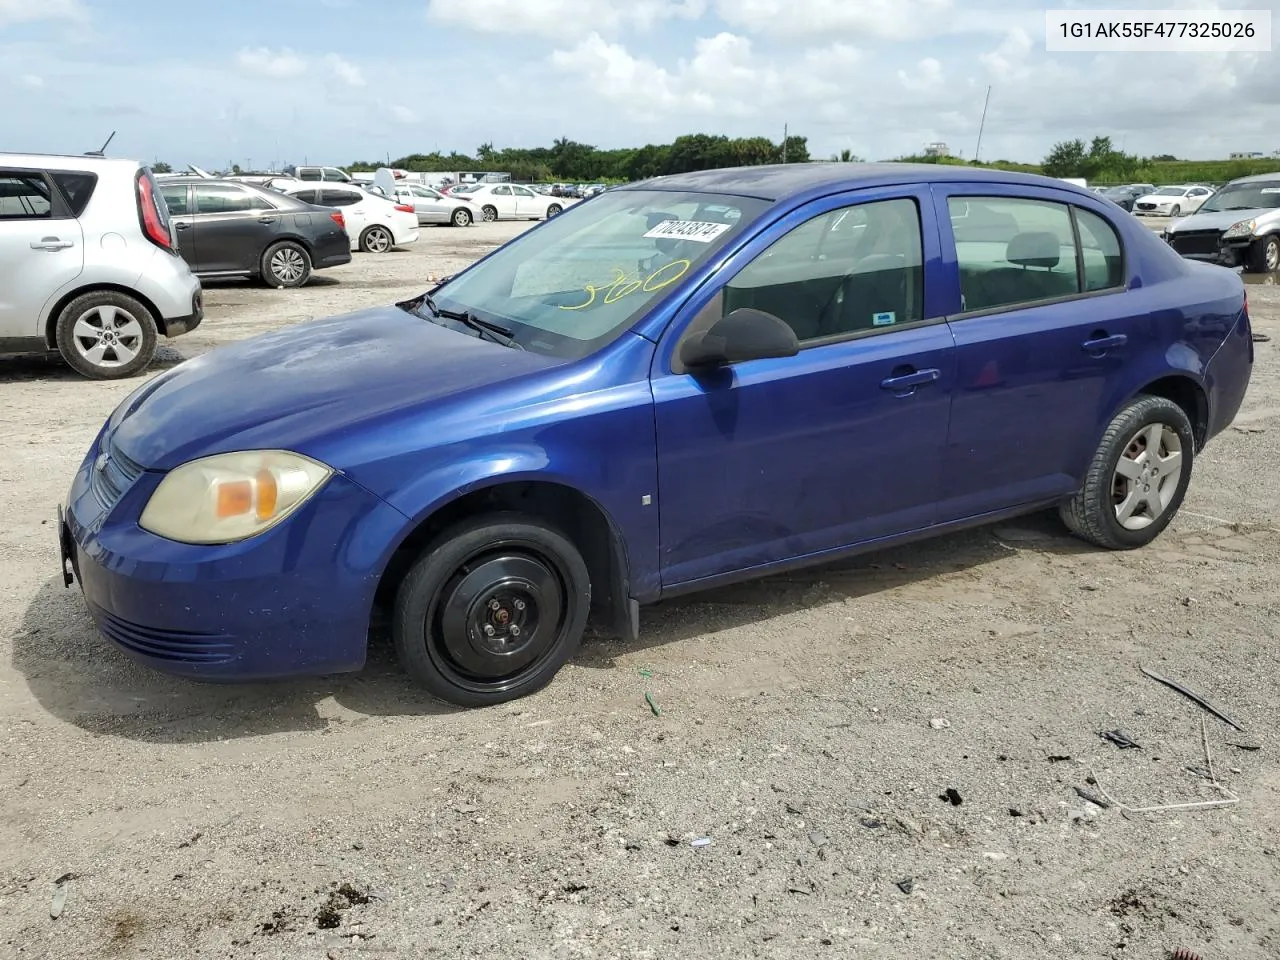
335 80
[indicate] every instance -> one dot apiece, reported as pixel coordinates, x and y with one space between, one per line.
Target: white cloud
1009 61
27 11
31 80
346 71
926 76
871 19
270 63
402 114
561 19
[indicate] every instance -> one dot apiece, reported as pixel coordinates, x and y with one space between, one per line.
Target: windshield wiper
494 331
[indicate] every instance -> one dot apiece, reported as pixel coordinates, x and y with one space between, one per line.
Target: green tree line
1100 162
569 160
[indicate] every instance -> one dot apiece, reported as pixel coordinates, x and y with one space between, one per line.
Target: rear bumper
176 326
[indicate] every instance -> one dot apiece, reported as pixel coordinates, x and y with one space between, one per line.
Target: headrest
1034 249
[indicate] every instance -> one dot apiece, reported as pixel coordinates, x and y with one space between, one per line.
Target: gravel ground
884 755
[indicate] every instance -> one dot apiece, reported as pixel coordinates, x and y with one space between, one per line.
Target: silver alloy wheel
107 336
378 240
1273 254
1147 476
490 214
461 217
287 265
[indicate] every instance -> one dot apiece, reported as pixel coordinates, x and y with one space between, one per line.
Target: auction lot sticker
695 230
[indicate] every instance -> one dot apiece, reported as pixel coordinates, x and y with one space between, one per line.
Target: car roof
777 181
1258 177
64 161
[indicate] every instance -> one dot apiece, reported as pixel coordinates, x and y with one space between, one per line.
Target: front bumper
293 601
1208 246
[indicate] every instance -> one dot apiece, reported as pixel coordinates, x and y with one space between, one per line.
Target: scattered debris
59 901
817 839
194 838
342 898
1250 747
1015 812
700 842
646 672
1261 338
671 841
1229 799
794 810
907 885
939 723
66 878
1192 695
280 922
873 823
1120 739
803 893
1182 953
1244 429
653 704
466 810
1058 757
1097 801
951 796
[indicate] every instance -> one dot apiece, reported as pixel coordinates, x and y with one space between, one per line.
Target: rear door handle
1098 344
183 226
907 382
51 243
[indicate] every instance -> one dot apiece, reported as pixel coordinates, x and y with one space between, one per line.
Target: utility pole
982 123
784 143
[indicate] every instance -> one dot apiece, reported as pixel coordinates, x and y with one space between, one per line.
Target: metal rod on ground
1192 695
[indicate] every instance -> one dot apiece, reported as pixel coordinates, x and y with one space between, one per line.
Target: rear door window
24 196
223 198
176 199
340 198
77 187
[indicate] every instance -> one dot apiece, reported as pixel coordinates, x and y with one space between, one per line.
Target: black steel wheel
491 610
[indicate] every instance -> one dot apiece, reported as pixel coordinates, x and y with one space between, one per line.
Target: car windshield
1171 192
1261 194
576 282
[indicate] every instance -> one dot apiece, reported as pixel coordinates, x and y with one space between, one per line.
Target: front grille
1146 206
179 646
1195 243
112 474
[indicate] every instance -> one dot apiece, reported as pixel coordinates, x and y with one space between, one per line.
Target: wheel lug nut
515 631
519 604
488 630
494 605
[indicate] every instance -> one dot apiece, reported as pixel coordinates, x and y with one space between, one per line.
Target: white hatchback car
511 201
89 264
375 223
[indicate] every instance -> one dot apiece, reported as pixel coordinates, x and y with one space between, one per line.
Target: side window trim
708 295
944 192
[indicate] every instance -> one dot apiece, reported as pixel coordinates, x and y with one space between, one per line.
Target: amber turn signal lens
234 498
268 494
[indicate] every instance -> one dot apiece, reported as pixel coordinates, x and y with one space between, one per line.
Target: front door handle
1100 342
906 383
51 243
267 219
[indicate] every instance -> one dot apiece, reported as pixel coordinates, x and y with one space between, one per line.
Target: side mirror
745 334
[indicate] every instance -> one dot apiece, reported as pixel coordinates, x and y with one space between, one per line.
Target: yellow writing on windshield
623 284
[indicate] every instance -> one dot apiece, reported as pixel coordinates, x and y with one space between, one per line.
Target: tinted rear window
77 187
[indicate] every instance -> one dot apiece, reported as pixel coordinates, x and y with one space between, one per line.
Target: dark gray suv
227 228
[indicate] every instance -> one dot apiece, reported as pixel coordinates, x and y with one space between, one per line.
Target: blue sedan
689 381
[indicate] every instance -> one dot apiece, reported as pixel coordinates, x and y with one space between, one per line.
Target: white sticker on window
883 319
694 230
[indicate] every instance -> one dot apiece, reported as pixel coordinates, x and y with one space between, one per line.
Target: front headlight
231 496
1242 229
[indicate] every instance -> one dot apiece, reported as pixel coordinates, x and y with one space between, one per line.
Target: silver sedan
434 207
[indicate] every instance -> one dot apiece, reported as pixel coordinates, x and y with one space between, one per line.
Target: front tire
1138 477
376 240
490 214
106 335
286 264
553 210
491 610
1176 211
461 218
1264 255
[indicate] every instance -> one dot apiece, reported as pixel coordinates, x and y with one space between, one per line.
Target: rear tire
106 335
491 610
489 213
376 239
553 210
1264 255
1130 495
286 264
461 218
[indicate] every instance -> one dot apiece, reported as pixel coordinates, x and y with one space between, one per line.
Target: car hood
1222 219
288 389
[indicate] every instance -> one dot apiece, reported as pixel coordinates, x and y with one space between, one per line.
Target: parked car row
1239 226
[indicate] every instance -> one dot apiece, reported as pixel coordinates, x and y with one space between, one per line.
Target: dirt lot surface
353 817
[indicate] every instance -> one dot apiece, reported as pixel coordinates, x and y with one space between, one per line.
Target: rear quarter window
77 187
24 196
